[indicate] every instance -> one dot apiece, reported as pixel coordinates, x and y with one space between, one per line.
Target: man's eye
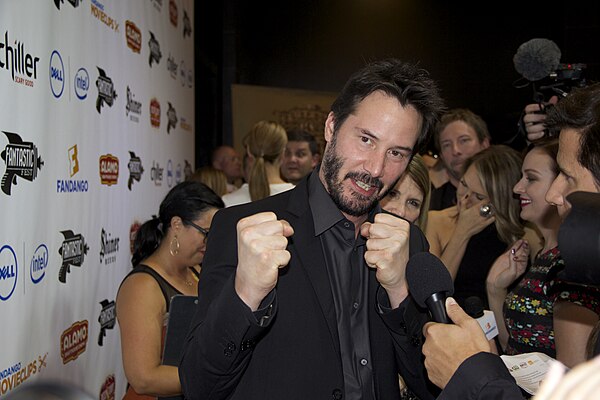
396 154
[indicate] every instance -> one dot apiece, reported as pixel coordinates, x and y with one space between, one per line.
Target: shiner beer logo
155 54
171 117
135 169
73 341
106 90
133 108
106 319
22 160
22 65
72 251
109 169
133 36
109 247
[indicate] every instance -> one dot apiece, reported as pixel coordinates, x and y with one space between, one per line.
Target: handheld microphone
536 59
429 283
485 318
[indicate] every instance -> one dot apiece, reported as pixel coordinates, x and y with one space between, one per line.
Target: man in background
226 159
459 135
302 154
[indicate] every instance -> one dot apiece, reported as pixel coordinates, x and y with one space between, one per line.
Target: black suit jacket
295 353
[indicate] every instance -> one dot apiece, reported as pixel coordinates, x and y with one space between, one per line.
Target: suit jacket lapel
306 249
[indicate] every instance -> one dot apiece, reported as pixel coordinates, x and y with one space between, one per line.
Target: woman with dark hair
168 252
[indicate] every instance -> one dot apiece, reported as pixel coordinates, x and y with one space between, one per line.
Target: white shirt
242 195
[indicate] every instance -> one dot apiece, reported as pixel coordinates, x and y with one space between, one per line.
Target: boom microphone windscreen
429 282
536 59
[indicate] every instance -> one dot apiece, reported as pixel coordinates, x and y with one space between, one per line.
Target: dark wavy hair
186 200
406 82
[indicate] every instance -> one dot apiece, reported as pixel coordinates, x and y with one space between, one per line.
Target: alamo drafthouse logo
106 90
8 272
171 118
57 74
109 247
154 113
72 251
109 169
173 14
72 185
107 390
21 159
106 319
133 108
133 35
39 263
155 54
73 341
135 169
14 58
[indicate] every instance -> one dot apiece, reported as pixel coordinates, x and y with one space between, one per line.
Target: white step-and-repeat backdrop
96 124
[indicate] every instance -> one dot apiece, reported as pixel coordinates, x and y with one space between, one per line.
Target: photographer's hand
534 118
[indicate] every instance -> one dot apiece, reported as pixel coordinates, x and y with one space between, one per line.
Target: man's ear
329 127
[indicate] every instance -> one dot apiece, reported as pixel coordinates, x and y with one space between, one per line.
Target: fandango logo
8 272
82 83
57 74
39 263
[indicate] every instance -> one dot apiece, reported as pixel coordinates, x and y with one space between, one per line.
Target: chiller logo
57 74
109 247
82 83
21 160
187 24
74 3
72 251
156 173
39 264
155 113
133 36
106 90
135 169
22 65
106 319
155 54
72 185
171 117
8 272
73 341
109 169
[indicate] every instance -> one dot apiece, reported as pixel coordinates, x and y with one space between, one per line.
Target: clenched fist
262 241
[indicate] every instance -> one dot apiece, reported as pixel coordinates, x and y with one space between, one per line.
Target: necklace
189 283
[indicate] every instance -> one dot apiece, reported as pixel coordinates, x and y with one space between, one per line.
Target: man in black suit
303 294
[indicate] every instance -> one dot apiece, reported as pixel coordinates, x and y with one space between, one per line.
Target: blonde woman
211 177
265 146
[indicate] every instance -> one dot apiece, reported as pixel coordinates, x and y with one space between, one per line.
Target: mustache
366 178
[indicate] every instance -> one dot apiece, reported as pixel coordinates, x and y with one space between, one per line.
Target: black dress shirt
443 197
348 276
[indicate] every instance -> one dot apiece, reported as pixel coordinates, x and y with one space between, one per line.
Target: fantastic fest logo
9 269
22 65
171 118
107 391
106 90
187 24
133 35
155 54
74 3
72 251
109 169
22 160
15 375
106 319
135 169
73 341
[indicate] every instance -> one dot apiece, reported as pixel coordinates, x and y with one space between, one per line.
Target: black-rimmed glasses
199 229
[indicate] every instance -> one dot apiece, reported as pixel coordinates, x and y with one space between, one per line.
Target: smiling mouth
525 202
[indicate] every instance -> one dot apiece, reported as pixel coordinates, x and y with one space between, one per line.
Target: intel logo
8 272
57 74
39 263
82 83
169 173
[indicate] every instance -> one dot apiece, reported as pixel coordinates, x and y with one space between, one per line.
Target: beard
355 204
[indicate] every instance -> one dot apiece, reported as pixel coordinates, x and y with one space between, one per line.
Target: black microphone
579 239
536 59
429 283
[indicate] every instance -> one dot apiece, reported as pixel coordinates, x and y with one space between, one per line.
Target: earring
174 248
